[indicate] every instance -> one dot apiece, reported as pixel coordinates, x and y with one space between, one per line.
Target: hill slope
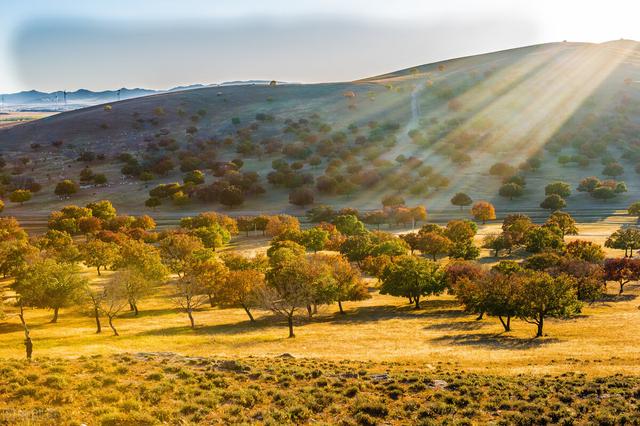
572 106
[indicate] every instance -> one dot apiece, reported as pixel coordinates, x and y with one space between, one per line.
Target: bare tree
115 298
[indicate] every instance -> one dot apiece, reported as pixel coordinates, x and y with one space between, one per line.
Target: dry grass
603 340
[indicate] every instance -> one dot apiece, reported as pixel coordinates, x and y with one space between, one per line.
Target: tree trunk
417 300
55 315
130 306
135 309
621 288
211 300
506 325
309 311
98 269
315 308
410 299
340 306
246 309
290 321
115 332
96 313
480 316
434 257
193 323
540 324
28 345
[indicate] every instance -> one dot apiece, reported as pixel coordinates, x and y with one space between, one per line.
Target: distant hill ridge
84 97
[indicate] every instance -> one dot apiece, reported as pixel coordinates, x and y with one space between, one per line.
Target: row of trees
290 280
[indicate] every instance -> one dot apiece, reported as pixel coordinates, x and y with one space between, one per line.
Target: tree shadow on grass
494 341
10 327
429 308
608 299
221 329
147 313
459 325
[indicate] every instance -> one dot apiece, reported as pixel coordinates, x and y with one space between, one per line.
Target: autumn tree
414 277
349 285
623 270
246 224
433 244
241 289
99 254
483 211
281 223
587 251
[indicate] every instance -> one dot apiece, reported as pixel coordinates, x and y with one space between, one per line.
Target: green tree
603 193
627 239
314 239
66 188
20 196
461 199
553 202
99 254
290 287
544 296
48 284
414 277
102 209
144 266
634 209
356 247
511 190
564 222
542 238
349 224
560 189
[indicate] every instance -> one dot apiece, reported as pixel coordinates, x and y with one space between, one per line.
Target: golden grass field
603 340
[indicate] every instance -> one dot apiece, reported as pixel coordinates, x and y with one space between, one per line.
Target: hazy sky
106 44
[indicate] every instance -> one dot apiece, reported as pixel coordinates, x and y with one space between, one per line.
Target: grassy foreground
156 388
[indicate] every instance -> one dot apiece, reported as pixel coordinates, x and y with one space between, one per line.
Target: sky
105 44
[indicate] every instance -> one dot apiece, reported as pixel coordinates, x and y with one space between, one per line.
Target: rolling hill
551 112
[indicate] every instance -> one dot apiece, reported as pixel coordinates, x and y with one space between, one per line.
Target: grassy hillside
426 133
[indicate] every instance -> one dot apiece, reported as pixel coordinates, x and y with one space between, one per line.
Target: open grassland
149 389
602 340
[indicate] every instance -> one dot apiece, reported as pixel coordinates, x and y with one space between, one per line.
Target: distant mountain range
34 100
